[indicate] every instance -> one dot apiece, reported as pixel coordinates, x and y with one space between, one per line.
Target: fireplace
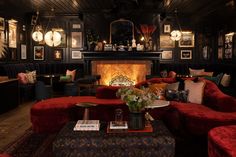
121 72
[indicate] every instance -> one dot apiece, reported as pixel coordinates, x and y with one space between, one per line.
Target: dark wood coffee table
159 143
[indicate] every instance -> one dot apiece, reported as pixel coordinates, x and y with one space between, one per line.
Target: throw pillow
207 74
175 95
72 73
196 91
196 72
216 79
225 81
173 86
31 76
22 78
172 74
66 78
158 89
163 74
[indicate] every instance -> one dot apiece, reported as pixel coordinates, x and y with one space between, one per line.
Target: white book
118 125
87 125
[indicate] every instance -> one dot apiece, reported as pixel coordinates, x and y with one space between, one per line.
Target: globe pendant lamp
37 35
52 38
176 35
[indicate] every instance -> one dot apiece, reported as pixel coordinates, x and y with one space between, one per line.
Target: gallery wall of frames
199 43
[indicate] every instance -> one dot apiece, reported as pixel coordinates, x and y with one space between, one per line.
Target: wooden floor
14 123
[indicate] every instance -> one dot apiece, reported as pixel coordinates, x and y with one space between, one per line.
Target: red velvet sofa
197 119
222 141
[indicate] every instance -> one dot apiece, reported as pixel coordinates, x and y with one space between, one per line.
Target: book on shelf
118 125
87 125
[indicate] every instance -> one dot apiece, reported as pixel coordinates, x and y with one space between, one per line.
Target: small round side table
86 106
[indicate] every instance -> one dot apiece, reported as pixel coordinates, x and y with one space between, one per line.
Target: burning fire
135 71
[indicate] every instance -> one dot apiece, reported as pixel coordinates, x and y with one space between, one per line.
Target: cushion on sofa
72 73
196 72
196 91
225 81
107 92
22 78
31 76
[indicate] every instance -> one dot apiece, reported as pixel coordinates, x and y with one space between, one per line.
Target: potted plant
137 100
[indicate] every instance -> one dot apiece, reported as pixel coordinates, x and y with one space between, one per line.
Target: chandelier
176 34
37 34
53 36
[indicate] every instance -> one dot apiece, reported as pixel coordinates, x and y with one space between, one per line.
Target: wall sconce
37 35
53 37
176 34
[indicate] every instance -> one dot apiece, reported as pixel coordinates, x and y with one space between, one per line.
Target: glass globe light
52 38
37 36
175 35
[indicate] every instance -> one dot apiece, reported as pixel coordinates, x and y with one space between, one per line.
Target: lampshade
175 35
52 38
37 36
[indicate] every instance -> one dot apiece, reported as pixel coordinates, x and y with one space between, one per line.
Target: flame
136 71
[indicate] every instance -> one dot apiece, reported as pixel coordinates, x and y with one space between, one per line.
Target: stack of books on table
114 126
87 125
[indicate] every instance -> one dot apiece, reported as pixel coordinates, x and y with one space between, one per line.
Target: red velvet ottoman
52 114
222 141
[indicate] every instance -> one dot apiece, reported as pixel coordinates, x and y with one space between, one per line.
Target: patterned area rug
31 145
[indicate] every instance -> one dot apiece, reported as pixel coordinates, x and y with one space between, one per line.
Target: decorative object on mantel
137 100
146 31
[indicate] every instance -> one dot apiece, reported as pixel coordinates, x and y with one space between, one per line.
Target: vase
136 121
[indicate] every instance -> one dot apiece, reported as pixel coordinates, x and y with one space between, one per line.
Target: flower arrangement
146 31
136 99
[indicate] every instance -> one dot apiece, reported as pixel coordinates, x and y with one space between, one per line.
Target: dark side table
71 143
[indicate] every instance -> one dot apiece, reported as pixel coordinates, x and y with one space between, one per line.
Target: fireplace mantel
121 55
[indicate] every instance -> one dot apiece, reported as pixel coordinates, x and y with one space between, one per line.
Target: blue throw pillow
215 79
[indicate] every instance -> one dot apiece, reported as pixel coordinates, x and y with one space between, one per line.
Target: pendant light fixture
52 37
37 34
176 34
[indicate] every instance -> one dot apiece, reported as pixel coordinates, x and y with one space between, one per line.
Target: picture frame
187 39
76 39
39 53
23 54
228 51
12 34
166 42
76 26
166 28
2 24
58 54
76 54
63 39
167 55
220 53
186 54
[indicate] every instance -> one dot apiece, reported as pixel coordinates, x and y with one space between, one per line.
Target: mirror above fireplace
121 32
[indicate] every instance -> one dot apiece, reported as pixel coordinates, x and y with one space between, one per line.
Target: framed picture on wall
186 54
166 28
12 33
39 53
57 54
23 54
166 42
76 39
220 52
63 39
76 26
76 54
2 24
187 39
167 55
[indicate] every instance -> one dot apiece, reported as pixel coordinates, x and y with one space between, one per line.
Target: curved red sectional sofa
222 141
197 119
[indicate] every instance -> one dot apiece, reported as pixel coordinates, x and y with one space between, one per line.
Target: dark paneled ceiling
195 9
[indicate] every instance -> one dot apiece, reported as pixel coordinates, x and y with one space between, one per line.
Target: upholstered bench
50 115
222 141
